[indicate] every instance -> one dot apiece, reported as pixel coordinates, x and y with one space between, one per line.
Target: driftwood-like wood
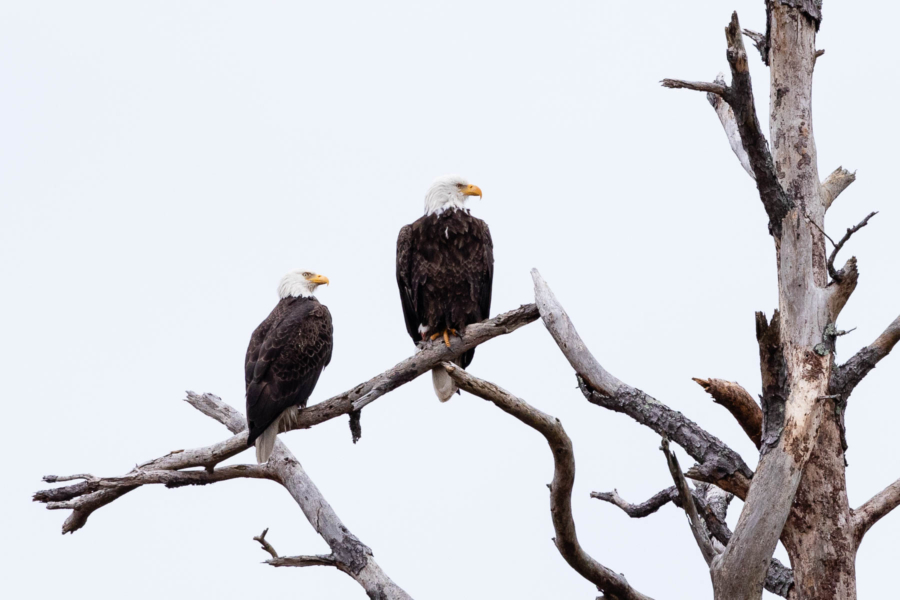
607 581
739 403
839 180
717 463
874 509
698 528
348 553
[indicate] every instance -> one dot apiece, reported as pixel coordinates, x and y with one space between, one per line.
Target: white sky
163 164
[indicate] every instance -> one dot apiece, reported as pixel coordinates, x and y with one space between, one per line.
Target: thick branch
872 511
739 403
687 503
719 464
609 582
839 180
846 377
740 96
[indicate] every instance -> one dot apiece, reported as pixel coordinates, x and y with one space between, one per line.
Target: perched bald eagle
286 355
445 268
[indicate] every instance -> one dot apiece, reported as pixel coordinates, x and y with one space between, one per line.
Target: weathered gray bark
612 584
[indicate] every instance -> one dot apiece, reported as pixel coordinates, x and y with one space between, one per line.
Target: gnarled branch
609 582
350 555
719 464
837 247
739 403
845 378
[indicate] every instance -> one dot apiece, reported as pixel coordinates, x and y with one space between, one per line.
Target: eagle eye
307 274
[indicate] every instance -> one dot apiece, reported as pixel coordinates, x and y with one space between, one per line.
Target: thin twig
261 538
837 247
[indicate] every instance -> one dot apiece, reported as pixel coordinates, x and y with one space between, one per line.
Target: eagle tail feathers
265 443
444 387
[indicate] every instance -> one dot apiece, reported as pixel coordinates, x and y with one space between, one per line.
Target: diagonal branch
729 124
739 96
739 403
687 503
719 464
839 180
349 553
837 247
872 511
779 579
609 582
845 378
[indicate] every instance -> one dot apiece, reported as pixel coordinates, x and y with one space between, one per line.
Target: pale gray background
163 164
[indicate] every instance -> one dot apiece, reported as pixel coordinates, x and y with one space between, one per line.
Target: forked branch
608 581
837 247
718 463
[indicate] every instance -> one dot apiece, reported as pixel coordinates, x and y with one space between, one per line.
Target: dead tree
797 493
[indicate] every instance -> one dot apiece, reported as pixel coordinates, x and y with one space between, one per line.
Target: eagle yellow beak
471 190
319 279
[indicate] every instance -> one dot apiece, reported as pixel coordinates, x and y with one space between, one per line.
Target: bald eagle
286 355
445 268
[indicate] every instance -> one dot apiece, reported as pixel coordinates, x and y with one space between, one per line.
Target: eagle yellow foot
446 335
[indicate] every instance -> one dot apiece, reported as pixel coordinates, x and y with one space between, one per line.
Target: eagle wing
284 360
487 272
408 293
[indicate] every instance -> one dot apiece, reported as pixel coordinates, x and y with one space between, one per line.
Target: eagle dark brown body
445 269
286 355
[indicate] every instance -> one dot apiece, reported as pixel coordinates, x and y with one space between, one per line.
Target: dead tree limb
779 578
349 553
839 180
738 402
845 378
610 583
874 509
739 96
837 247
718 463
729 125
687 503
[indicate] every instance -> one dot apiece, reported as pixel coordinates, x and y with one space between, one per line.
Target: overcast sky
163 164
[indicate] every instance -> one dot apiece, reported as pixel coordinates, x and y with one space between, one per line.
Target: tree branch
872 511
845 378
739 403
638 511
717 87
719 464
739 96
687 503
349 553
609 582
729 124
837 247
261 538
839 180
318 560
711 505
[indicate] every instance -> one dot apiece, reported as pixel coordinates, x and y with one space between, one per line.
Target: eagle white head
300 282
449 191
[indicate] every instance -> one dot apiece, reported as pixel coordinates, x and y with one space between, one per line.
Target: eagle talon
446 338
